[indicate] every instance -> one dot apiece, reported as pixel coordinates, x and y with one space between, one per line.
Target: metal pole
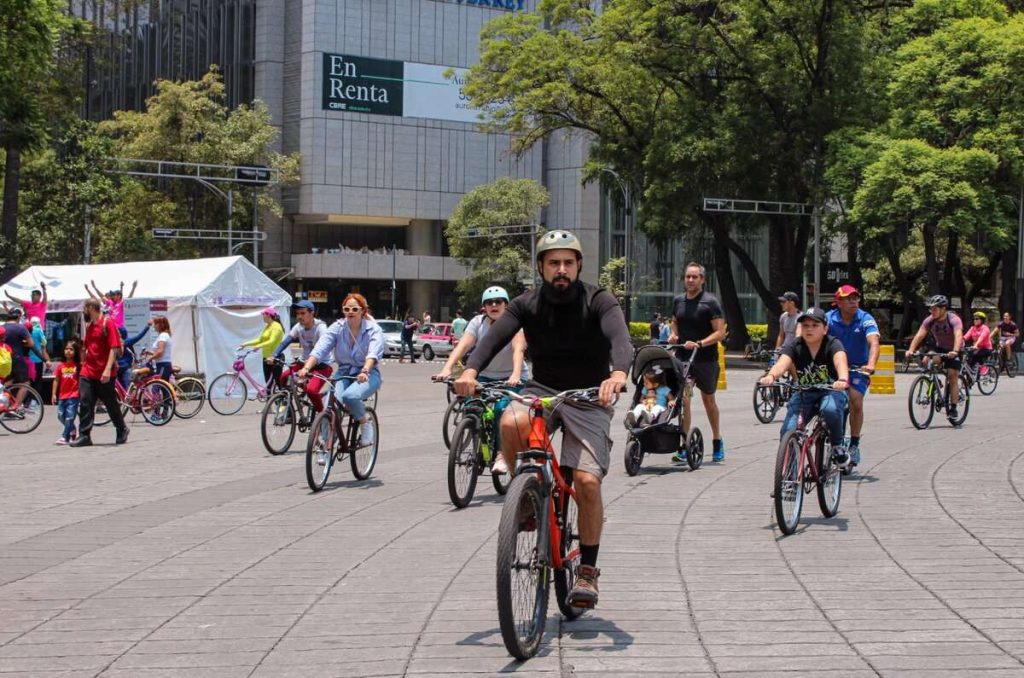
1020 261
816 217
627 248
255 228
87 259
533 257
394 286
231 211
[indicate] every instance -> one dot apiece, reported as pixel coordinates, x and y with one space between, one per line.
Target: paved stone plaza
192 552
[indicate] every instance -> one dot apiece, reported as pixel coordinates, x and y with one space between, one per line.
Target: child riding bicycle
816 360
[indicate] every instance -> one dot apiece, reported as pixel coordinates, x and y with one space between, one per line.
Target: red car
435 339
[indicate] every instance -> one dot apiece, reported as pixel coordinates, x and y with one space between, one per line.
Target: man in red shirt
99 367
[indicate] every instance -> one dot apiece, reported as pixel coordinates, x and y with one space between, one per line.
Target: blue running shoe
719 450
680 457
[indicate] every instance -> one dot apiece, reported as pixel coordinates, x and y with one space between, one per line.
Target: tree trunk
904 286
952 274
738 337
12 177
930 260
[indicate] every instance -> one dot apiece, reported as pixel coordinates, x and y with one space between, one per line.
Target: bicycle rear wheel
156 402
962 407
569 550
320 450
501 481
522 577
464 462
766 403
26 418
1010 365
830 480
988 381
920 402
227 393
452 417
191 394
363 459
789 485
278 424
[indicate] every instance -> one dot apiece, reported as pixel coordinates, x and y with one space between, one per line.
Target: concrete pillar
423 238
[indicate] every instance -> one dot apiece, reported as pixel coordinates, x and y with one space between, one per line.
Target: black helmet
938 300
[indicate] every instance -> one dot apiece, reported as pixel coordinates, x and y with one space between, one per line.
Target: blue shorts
859 382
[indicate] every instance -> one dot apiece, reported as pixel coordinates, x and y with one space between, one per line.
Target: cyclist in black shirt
575 332
697 322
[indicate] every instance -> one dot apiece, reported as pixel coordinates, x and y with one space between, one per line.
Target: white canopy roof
216 282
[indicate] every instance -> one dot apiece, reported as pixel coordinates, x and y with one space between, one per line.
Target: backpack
6 362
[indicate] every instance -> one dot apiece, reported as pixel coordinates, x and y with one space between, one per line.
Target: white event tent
212 304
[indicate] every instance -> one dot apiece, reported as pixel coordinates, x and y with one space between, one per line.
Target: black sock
854 441
588 554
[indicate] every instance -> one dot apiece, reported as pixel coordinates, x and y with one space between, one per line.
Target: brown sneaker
584 593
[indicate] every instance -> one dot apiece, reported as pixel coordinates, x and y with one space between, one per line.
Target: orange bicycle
538 535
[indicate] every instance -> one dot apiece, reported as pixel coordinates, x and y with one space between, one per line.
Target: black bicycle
930 394
475 446
334 435
768 400
288 410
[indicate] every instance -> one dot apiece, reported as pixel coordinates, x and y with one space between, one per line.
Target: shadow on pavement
359 484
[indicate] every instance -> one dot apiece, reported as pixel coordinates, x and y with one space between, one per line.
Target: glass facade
140 41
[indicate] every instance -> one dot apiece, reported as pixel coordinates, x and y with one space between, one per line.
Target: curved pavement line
679 563
260 561
183 551
916 580
1009 476
938 500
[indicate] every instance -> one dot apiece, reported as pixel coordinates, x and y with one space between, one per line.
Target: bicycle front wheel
830 480
766 403
522 576
228 393
988 381
921 402
29 415
464 462
156 402
191 393
278 424
320 450
452 417
363 459
789 485
569 550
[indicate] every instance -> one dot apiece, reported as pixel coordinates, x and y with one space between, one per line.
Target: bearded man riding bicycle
578 339
947 331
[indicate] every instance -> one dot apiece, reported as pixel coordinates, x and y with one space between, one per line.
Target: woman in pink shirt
981 338
35 308
113 301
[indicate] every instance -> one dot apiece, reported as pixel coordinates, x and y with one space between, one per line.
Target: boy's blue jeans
829 404
67 412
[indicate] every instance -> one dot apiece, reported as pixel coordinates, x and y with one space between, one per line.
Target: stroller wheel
695 449
634 457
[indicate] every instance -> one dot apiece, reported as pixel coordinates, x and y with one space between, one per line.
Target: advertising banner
384 87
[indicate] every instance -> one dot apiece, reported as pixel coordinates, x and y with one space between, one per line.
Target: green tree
29 36
498 260
734 98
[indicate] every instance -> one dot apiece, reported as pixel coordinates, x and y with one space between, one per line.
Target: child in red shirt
65 391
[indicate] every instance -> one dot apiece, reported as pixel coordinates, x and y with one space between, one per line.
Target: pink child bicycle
228 392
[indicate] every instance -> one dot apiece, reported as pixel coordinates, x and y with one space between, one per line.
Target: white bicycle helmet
494 292
558 240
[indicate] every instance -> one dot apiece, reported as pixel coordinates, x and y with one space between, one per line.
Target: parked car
392 330
435 339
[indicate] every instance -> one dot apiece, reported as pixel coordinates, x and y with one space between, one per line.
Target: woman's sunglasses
351 309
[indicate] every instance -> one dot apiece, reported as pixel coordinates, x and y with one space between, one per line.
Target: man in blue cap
307 330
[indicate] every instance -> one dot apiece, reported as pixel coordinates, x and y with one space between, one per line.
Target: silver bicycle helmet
938 300
558 240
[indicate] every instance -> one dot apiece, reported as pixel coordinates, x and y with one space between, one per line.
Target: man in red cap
858 332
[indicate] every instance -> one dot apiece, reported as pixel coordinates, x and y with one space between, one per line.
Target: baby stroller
663 436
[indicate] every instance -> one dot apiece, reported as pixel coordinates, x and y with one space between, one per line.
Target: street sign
253 175
164 232
209 234
317 296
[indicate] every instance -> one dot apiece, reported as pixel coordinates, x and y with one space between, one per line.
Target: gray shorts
586 444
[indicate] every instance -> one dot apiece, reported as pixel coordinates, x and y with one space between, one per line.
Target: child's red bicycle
538 535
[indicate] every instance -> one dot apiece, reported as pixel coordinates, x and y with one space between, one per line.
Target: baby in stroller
655 399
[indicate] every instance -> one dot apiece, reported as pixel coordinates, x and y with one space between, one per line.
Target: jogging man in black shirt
575 331
697 322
